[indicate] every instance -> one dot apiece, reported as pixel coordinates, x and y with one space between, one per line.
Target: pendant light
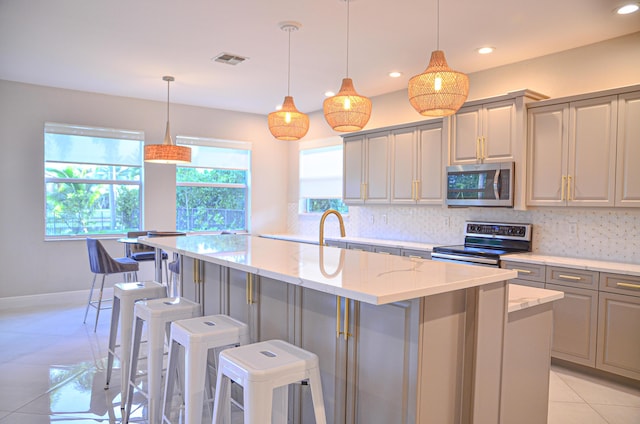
168 151
347 110
288 123
439 90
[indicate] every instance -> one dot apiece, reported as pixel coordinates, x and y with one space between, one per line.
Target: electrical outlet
573 228
371 219
384 219
446 222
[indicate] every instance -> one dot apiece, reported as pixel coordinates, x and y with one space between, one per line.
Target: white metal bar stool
124 297
158 314
198 336
265 370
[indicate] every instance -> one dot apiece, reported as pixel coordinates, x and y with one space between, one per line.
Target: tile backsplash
592 233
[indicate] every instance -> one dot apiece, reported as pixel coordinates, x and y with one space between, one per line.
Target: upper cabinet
628 148
366 168
493 130
581 151
400 165
417 164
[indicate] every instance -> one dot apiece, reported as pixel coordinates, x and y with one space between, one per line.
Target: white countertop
428 247
523 297
368 277
578 263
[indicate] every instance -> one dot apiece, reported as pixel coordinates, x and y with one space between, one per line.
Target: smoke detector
229 58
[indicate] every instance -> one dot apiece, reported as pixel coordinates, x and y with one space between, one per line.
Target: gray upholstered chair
102 263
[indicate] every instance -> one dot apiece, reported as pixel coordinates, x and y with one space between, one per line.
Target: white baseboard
62 299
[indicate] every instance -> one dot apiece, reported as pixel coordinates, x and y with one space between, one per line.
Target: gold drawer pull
628 285
384 253
570 277
524 271
415 257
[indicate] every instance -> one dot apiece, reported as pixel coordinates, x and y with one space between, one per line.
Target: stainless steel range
485 243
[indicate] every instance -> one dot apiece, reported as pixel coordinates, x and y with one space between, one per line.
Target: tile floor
52 369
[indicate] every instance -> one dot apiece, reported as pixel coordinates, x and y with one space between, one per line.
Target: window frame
92 132
205 142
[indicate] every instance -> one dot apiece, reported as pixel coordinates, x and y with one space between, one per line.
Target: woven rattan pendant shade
288 123
347 110
439 90
167 152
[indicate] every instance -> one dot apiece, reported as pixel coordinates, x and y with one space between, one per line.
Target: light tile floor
52 369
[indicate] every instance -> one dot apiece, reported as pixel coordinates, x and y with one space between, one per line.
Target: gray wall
28 264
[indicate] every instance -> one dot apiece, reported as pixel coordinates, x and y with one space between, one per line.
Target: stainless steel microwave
486 184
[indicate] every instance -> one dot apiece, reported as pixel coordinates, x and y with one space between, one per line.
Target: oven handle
496 184
436 255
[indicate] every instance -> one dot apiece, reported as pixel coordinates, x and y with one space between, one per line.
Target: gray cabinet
532 275
628 150
619 314
414 253
366 168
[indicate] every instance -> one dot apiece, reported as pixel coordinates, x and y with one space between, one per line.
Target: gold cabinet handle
569 178
524 271
478 148
564 183
570 277
338 301
346 319
417 190
484 148
628 286
384 253
249 287
364 192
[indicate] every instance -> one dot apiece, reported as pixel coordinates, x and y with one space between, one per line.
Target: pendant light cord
168 84
438 25
347 38
289 66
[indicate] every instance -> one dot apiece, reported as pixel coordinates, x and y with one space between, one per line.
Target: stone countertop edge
376 283
523 297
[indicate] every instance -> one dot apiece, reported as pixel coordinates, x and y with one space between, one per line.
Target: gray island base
400 340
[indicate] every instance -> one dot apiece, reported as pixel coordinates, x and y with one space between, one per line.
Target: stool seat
198 336
156 313
124 297
264 370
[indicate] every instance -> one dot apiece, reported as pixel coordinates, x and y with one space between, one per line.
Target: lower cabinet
368 374
574 325
618 335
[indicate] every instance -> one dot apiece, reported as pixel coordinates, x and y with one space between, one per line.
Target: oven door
464 259
480 184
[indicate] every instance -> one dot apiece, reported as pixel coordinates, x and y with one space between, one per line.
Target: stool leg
316 396
280 408
196 368
133 364
95 327
86 311
113 332
170 379
222 400
258 400
126 328
155 342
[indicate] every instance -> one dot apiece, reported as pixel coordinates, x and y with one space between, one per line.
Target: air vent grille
229 58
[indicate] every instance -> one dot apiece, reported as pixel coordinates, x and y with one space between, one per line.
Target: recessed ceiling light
395 74
486 50
329 94
627 8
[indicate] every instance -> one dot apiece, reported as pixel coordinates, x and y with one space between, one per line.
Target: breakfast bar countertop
368 277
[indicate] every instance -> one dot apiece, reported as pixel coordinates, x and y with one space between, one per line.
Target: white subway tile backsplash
591 233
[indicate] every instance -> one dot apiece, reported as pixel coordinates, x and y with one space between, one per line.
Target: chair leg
95 327
86 311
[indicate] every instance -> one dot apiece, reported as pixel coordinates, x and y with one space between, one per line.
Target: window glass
212 192
93 180
321 179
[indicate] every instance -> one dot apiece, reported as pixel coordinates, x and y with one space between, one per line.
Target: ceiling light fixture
168 151
288 123
439 90
486 50
347 110
395 74
627 8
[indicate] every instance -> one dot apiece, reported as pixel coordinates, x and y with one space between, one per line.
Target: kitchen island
400 340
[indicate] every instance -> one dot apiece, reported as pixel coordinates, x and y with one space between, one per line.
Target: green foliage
321 205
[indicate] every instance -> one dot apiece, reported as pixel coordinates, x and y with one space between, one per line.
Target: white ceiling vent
229 58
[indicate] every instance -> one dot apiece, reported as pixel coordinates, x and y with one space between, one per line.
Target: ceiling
124 47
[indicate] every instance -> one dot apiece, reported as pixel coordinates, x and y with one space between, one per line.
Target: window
93 180
321 176
212 192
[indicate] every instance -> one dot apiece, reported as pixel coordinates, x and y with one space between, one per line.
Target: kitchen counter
523 297
362 276
577 263
428 247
